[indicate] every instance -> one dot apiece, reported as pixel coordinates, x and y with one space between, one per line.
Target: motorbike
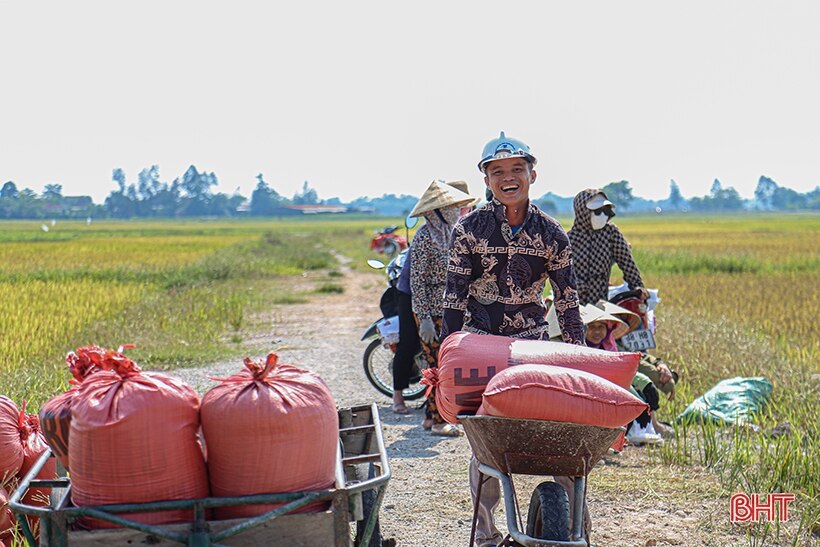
641 338
384 332
384 337
388 242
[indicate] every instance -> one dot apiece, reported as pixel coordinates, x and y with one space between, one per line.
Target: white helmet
504 147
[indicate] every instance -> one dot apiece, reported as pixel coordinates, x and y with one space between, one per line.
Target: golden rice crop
740 298
98 254
49 311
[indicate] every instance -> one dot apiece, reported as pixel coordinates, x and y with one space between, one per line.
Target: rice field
182 291
739 297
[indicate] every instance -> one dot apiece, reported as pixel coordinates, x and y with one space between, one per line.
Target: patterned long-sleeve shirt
595 251
496 280
428 268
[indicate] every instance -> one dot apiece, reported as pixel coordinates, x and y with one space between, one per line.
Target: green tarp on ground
731 401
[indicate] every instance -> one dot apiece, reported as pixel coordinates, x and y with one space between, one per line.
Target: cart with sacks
351 516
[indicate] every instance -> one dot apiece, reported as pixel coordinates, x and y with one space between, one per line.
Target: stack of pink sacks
130 436
533 379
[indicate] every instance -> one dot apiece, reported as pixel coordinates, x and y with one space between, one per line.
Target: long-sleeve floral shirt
496 280
428 269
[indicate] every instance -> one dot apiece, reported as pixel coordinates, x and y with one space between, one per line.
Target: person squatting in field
653 375
441 206
500 259
603 329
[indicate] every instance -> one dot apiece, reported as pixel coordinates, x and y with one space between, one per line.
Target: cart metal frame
361 445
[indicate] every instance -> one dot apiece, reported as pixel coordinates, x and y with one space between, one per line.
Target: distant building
244 208
287 210
68 205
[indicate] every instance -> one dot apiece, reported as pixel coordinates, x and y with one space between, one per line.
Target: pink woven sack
55 414
545 392
134 440
7 520
11 451
270 428
468 361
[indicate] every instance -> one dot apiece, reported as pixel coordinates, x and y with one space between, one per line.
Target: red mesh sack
11 451
7 520
55 421
134 440
544 392
34 444
55 415
468 361
270 428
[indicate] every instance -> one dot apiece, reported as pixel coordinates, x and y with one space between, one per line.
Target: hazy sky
366 98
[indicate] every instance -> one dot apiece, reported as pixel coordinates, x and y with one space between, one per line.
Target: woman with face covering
441 206
597 244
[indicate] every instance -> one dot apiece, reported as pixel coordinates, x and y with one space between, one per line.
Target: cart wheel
363 472
548 516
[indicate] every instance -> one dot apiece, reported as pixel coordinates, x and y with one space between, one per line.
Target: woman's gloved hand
427 331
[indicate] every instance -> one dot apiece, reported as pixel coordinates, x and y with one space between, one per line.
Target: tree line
191 195
768 196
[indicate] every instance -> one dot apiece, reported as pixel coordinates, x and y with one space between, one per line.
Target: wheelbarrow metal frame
507 446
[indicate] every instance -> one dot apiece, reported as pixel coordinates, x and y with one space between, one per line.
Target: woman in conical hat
602 329
404 360
629 317
441 206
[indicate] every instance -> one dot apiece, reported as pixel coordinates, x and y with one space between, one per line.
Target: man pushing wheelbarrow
500 258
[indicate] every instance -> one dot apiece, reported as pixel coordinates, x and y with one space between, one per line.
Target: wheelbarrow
362 472
508 446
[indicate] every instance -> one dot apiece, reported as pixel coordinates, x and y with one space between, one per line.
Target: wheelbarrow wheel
548 515
364 472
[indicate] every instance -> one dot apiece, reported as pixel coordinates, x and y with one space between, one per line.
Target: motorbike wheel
548 515
390 248
378 367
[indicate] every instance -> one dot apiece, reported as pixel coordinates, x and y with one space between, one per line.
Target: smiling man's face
509 180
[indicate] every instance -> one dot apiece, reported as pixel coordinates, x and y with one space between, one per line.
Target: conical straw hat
631 318
590 313
438 195
462 185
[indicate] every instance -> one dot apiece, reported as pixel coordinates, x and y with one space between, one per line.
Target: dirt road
633 501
